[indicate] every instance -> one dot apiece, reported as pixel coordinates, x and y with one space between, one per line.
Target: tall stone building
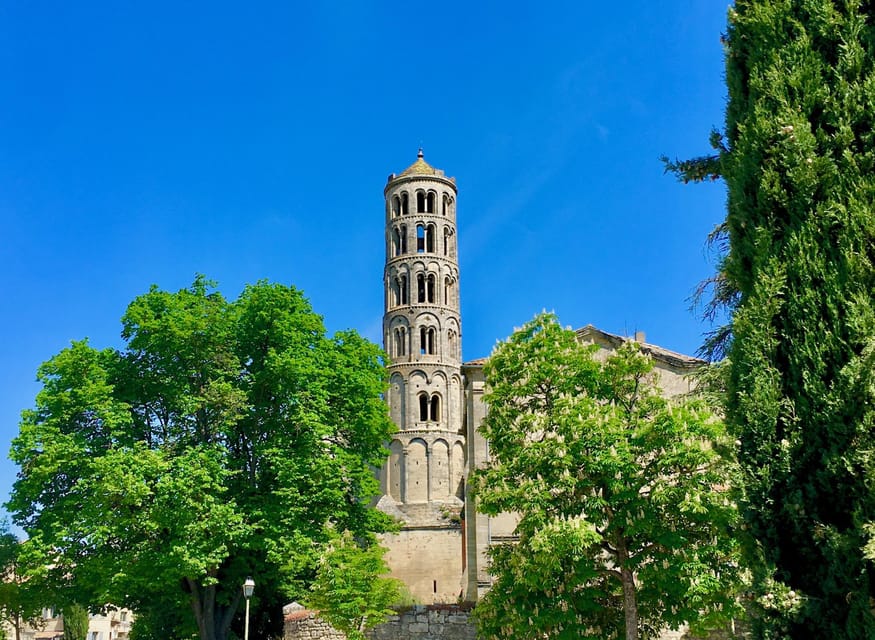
436 400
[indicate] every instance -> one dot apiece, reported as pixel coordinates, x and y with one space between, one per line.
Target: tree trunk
630 604
630 599
213 622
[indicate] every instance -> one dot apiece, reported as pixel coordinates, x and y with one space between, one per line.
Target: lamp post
248 588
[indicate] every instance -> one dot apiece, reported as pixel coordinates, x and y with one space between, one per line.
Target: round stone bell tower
422 335
423 478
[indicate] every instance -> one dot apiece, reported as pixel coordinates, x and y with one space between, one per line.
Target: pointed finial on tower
420 154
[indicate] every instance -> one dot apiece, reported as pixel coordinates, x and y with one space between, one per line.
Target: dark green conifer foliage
75 622
799 165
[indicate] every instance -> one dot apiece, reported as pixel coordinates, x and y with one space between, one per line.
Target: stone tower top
420 168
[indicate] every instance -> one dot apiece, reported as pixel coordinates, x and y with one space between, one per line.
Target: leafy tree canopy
351 590
226 439
624 517
21 596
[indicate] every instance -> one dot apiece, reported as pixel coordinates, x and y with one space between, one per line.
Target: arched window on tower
429 202
396 206
401 341
434 413
420 238
402 231
426 341
448 292
446 240
420 287
396 291
403 288
423 407
429 407
429 238
396 242
405 204
429 288
420 202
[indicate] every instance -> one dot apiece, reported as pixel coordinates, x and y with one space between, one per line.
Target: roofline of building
661 354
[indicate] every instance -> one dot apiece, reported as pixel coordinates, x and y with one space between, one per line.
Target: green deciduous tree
21 599
352 591
624 517
799 163
226 439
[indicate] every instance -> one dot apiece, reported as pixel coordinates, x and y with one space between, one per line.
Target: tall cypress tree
799 164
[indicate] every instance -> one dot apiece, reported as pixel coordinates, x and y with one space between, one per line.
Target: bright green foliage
75 622
20 600
624 521
227 439
351 590
800 172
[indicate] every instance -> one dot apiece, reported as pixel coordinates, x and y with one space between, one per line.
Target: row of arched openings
427 342
426 237
429 407
426 290
425 203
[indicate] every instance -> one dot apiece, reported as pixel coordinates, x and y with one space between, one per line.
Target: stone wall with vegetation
432 622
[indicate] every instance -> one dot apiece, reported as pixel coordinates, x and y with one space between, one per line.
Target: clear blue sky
145 142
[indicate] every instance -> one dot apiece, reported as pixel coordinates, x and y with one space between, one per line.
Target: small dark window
404 289
400 341
430 288
423 407
405 207
396 206
420 202
429 204
429 238
396 292
420 287
435 408
396 242
403 232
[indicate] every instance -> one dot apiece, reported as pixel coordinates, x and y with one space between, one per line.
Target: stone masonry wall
304 625
433 622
